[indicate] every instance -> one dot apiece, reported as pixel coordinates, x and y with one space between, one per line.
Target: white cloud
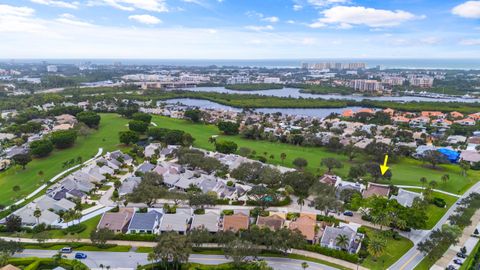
6 10
430 40
68 18
323 3
470 42
347 16
131 5
272 19
145 19
18 19
259 27
55 3
469 9
308 41
297 7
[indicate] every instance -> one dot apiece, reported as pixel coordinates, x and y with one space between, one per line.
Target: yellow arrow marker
384 167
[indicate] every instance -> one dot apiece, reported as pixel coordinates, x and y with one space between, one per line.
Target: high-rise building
366 85
422 82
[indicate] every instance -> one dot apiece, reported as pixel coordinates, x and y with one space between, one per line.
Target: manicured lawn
29 179
406 171
58 234
434 212
394 250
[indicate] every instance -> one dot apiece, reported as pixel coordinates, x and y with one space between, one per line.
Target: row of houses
156 221
403 197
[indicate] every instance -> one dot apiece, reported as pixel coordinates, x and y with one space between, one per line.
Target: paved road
130 260
413 257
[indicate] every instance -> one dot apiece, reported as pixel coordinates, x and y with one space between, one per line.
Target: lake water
295 93
206 104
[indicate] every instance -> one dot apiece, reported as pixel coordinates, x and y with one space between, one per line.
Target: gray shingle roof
144 221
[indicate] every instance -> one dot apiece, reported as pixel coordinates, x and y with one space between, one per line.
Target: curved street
130 260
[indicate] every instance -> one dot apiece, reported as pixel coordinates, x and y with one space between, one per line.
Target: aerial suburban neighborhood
239 135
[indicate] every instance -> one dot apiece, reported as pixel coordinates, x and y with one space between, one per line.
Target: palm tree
433 184
301 202
37 214
342 241
423 180
377 246
283 156
212 139
151 258
445 178
304 265
56 258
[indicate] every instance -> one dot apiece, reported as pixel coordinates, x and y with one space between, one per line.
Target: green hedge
339 254
136 237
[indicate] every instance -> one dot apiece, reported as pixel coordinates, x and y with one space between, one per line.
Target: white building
271 80
52 68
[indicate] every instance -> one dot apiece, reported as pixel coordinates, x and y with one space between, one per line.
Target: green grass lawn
406 171
394 250
58 234
28 180
86 247
434 212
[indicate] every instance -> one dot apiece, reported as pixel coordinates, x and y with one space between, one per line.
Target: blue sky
239 29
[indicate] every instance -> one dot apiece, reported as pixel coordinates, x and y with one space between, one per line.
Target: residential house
306 224
116 222
28 218
145 223
236 222
406 197
145 167
210 221
374 189
273 222
329 179
177 222
331 236
471 156
128 185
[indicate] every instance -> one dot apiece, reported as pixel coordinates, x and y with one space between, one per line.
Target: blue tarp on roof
451 155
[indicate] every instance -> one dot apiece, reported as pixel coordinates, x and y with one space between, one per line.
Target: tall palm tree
283 156
342 241
423 180
151 259
376 246
445 178
37 214
301 202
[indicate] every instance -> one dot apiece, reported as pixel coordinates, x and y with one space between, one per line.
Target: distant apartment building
393 81
334 65
422 82
366 85
271 80
238 80
52 68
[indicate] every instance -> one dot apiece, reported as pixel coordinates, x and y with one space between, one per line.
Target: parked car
451 267
348 213
461 255
66 250
458 261
80 256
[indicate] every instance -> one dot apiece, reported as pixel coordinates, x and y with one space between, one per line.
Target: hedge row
339 254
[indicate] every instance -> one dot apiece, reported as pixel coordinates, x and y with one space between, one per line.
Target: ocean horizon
450 64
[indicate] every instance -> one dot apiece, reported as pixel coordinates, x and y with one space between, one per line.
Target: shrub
136 237
328 219
227 212
63 138
292 216
199 211
77 228
439 202
339 254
